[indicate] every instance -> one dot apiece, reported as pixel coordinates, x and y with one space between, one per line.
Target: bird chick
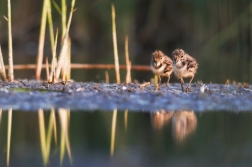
184 66
161 65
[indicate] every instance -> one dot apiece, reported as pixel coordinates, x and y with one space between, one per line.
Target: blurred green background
217 33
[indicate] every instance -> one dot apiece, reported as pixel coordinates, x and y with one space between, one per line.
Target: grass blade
63 17
50 23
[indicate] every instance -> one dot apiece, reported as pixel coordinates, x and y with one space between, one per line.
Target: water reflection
46 136
161 118
64 115
124 138
183 122
113 132
9 135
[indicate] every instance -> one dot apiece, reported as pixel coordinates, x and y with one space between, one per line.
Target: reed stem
41 40
128 63
63 17
64 47
50 24
54 59
117 71
2 67
47 69
106 76
10 71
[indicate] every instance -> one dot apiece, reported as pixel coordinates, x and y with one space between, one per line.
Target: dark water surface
181 138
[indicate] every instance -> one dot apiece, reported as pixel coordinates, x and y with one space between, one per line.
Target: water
83 138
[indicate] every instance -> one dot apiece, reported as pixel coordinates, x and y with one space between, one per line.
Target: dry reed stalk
113 131
144 84
66 70
64 47
84 66
2 67
64 29
227 82
54 59
63 71
10 71
117 71
47 69
68 64
128 63
41 40
62 55
107 76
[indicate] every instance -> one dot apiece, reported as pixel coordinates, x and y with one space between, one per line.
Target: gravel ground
31 95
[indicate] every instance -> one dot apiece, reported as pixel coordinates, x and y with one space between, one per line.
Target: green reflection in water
183 122
113 131
9 135
170 138
64 115
45 137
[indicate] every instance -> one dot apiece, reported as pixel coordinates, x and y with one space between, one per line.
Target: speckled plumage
184 66
161 65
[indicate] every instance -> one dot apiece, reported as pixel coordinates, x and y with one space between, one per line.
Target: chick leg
159 79
182 83
168 80
189 85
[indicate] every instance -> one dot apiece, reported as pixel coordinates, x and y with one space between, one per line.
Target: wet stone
31 95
